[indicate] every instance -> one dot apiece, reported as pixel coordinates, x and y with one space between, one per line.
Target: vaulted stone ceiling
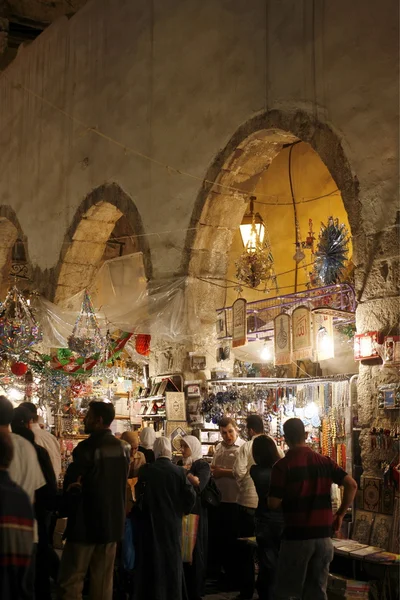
21 21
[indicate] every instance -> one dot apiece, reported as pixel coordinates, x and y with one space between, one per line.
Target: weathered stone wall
183 81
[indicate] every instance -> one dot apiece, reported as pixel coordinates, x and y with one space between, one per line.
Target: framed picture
381 531
372 494
197 362
175 430
387 500
175 406
363 527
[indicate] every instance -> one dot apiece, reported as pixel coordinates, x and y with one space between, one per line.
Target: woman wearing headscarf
199 476
164 495
147 440
137 460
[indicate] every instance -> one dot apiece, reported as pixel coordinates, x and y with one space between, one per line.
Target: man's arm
220 472
240 468
350 489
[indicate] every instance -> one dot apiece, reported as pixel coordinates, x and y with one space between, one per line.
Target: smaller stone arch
10 232
86 239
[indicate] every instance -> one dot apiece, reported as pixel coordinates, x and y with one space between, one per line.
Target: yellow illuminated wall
310 179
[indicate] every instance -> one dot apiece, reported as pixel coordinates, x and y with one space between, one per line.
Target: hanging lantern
252 228
254 265
18 327
86 339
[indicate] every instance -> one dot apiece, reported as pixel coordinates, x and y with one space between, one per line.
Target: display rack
323 403
153 410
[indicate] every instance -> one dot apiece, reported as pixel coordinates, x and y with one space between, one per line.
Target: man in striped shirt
301 484
16 531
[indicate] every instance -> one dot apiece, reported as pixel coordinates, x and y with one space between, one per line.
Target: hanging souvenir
86 339
239 323
332 252
18 327
282 341
301 331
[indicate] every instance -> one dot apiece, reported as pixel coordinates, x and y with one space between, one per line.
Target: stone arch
88 234
218 211
10 232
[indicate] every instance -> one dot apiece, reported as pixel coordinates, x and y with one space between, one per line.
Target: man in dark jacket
94 490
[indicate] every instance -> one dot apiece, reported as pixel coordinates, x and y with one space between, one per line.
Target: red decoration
143 344
19 369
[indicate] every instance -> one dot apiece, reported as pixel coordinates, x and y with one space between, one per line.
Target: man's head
6 412
99 416
295 434
32 409
6 450
255 425
228 430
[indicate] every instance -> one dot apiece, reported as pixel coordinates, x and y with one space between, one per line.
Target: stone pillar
377 282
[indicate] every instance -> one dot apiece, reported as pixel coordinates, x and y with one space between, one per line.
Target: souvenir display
363 527
381 531
372 494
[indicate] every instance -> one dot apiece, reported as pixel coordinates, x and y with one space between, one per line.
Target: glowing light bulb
266 353
15 395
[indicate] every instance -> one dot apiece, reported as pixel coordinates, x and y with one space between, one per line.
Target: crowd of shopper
125 503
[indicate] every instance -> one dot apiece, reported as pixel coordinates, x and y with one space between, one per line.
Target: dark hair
6 411
20 423
265 452
6 450
255 423
294 431
225 421
32 409
105 410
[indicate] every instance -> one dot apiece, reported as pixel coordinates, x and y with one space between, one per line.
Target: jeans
246 552
268 534
303 569
128 546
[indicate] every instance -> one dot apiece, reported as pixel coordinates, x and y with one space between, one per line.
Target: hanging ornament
104 366
19 369
86 339
332 252
18 327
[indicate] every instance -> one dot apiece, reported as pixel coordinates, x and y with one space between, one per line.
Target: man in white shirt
45 439
223 519
248 501
23 470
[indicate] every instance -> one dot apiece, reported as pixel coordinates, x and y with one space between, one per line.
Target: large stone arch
86 238
232 177
10 232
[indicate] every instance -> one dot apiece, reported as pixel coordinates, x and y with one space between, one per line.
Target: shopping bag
190 525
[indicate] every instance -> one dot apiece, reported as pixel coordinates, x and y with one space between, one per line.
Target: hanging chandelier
86 339
18 327
254 265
